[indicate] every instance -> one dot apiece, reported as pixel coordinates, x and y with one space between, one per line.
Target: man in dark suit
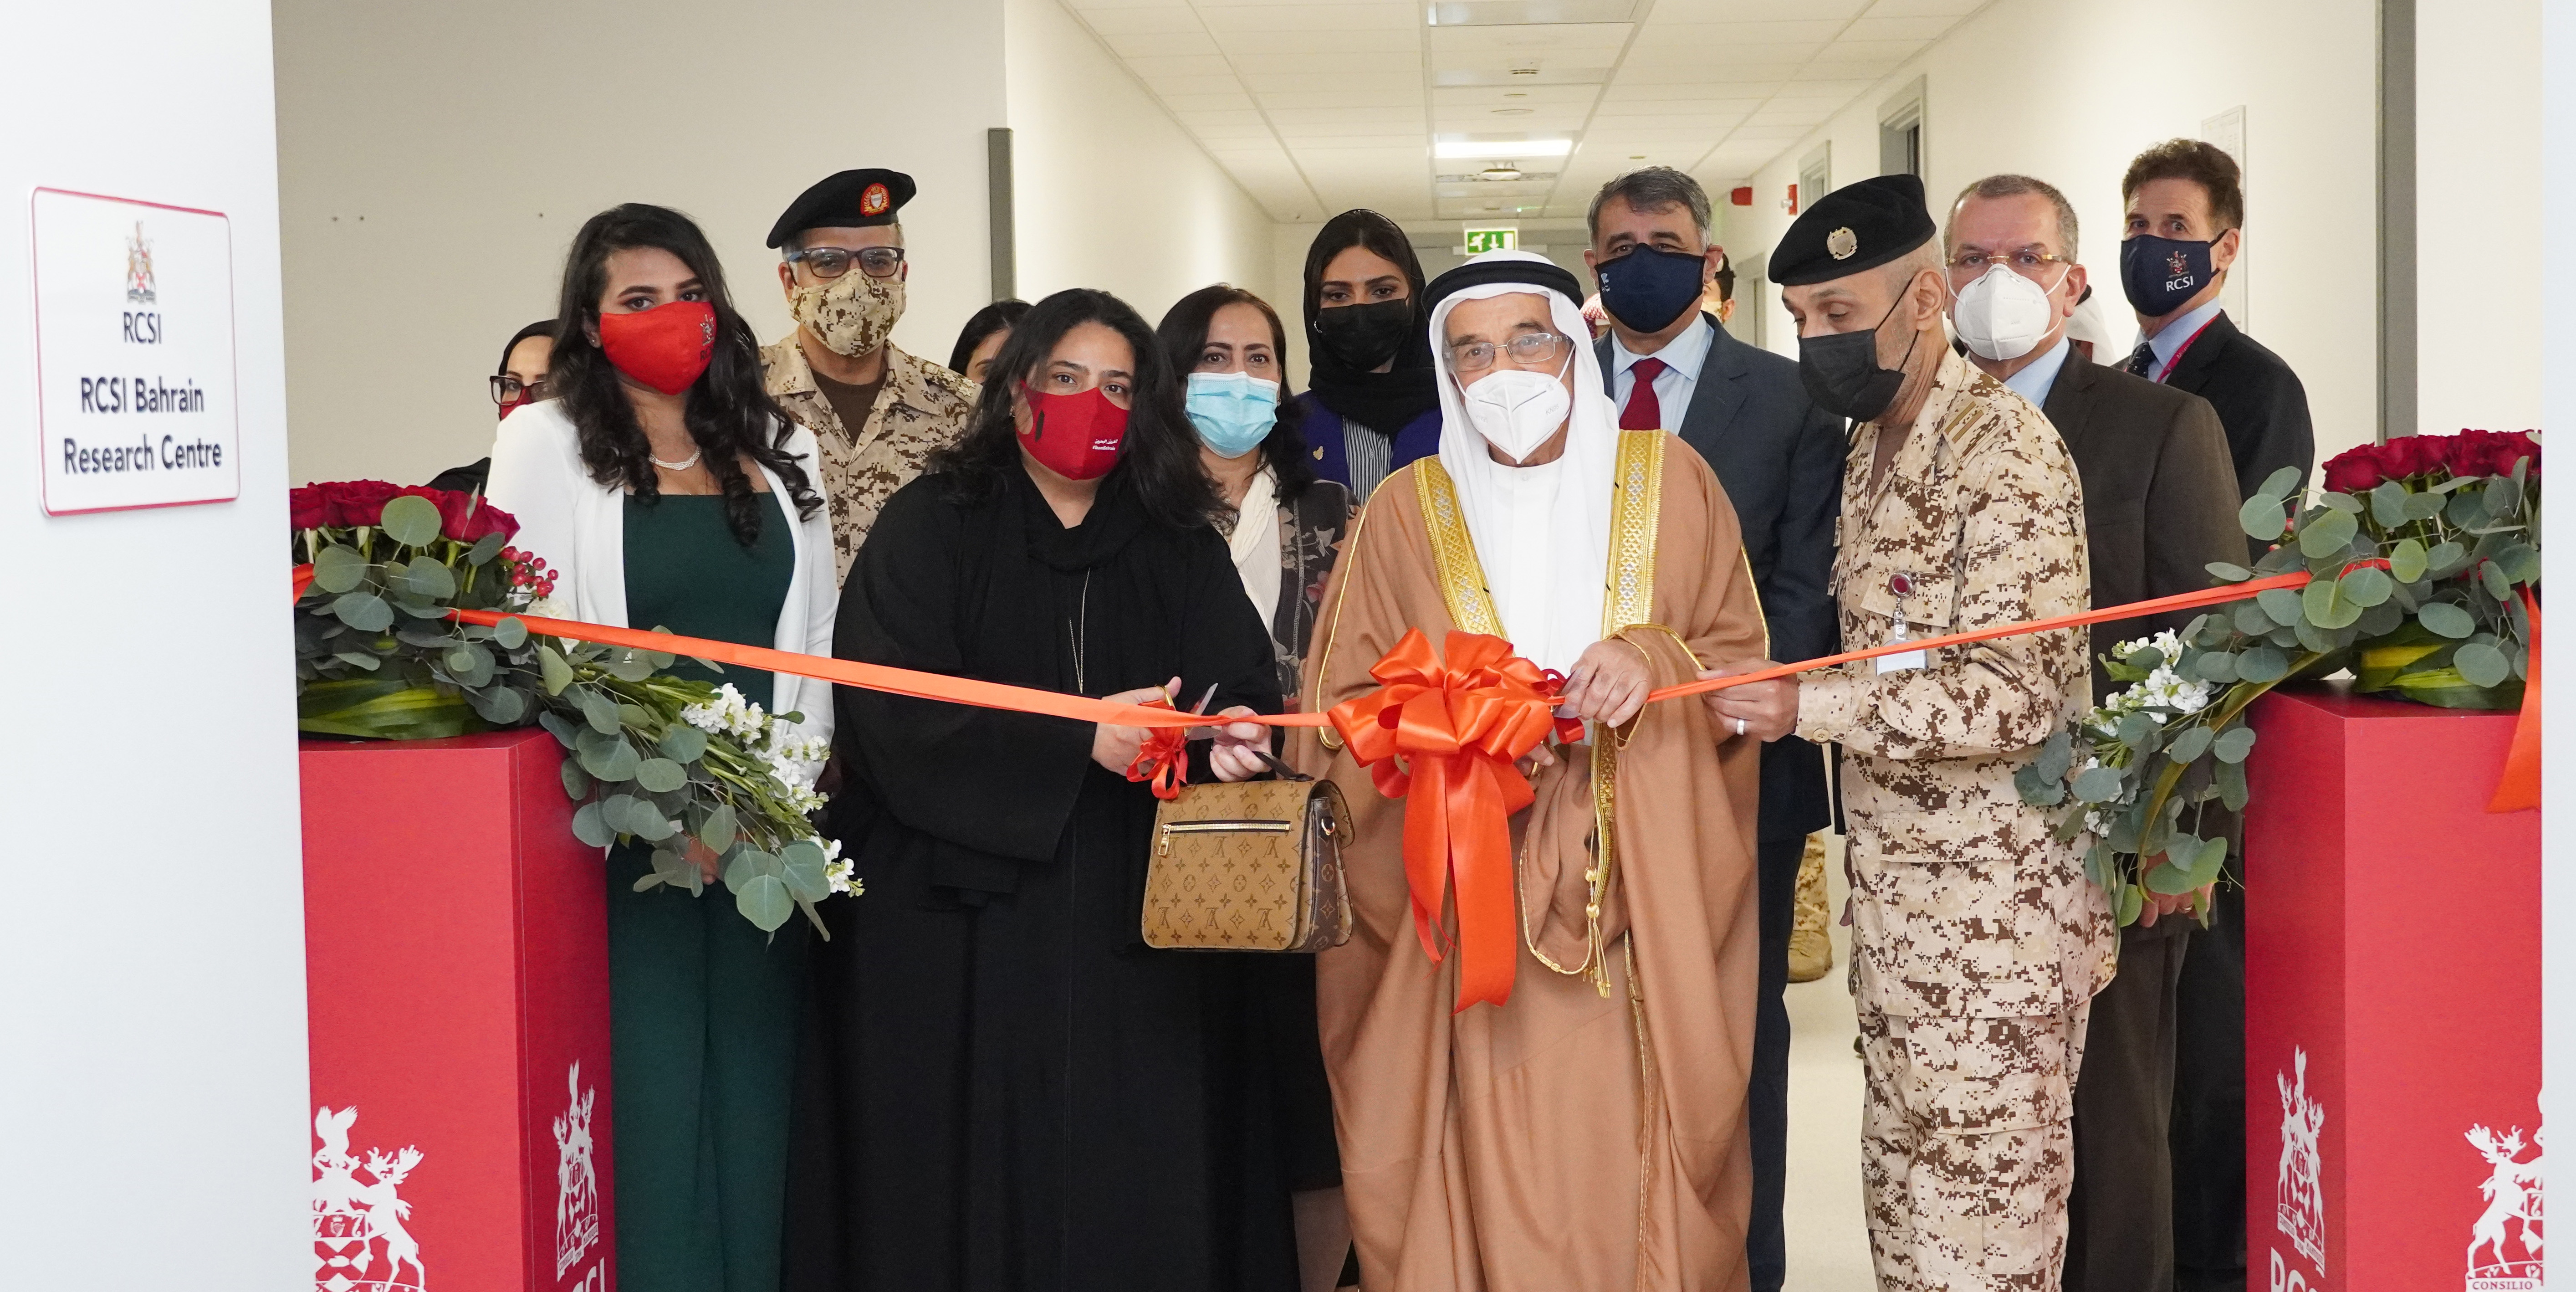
1669 366
2185 229
2159 505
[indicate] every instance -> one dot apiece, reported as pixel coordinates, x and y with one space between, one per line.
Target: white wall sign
134 353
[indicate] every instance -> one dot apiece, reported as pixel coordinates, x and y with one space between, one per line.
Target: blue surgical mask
1648 287
2159 274
1233 411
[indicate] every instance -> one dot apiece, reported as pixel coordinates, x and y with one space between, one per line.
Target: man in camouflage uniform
1977 940
844 271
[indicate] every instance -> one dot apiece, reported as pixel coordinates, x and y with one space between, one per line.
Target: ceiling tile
1668 24
1159 44
1765 10
1334 43
1532 39
1334 82
1870 51
1194 85
1375 120
1201 122
1358 60
1319 17
1157 67
1767 134
1498 96
1410 98
1189 103
1925 8
1875 28
1142 20
1780 112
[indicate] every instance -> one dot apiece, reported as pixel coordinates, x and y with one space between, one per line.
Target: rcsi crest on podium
577 1180
2512 1193
351 1217
2299 1200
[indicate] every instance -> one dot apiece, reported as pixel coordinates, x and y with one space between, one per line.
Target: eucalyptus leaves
2419 558
681 765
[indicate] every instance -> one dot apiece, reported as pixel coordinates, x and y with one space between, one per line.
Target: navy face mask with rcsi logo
2159 274
1647 288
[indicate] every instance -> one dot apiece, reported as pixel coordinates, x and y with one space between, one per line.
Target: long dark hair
1000 316
1361 227
1184 332
542 327
1159 461
728 414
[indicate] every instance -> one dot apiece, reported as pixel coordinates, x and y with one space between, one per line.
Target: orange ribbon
2519 787
1458 725
1164 757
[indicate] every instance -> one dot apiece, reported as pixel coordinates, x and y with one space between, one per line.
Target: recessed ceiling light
1515 94
1502 148
1501 172
1514 112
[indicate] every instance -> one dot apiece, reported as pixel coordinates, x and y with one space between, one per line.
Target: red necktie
1643 413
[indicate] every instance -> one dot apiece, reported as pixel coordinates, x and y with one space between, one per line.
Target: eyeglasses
832 262
2028 263
1529 349
506 390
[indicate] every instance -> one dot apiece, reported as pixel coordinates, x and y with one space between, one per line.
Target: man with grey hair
1668 365
1977 940
2159 507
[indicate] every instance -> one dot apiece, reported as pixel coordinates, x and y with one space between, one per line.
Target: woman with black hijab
1010 1092
1371 404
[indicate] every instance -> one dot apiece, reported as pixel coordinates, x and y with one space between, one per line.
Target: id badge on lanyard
1902 660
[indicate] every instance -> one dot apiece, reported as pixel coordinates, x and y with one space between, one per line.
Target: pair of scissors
1210 733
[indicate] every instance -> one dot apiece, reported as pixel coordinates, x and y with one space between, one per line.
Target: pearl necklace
679 466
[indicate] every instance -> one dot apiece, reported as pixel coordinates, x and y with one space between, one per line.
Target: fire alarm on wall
1790 203
1741 197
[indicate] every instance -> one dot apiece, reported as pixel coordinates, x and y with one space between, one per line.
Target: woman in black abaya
1005 1090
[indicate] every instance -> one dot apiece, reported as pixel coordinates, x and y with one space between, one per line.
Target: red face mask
665 347
520 402
1076 436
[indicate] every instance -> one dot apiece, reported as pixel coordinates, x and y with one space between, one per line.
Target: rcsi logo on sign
134 353
1506 238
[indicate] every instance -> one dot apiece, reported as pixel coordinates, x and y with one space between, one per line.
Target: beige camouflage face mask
853 313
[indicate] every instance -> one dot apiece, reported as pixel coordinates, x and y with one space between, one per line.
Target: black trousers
2209 1106
2120 1232
1776 897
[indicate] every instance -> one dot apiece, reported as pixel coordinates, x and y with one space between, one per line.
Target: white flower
841 875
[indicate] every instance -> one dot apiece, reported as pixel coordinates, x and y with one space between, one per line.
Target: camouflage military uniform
1977 940
921 407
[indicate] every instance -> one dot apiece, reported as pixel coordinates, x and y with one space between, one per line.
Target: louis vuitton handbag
1248 866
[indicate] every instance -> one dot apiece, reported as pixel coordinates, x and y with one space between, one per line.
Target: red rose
348 504
468 518
305 508
2354 470
2493 453
2409 456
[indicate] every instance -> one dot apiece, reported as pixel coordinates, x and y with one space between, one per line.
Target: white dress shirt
1682 358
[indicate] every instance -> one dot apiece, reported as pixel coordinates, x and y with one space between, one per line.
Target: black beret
851 199
1855 227
1528 273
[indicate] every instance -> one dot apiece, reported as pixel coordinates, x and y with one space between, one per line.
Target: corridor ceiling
1402 105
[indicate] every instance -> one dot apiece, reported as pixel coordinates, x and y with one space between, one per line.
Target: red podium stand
2392 1024
456 944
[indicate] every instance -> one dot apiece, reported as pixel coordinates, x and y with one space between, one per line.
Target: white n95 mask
2002 315
1516 409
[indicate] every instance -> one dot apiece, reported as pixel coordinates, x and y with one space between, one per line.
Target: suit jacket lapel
2192 372
1717 394
2069 405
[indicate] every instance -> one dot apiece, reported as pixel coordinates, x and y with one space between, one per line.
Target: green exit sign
1506 238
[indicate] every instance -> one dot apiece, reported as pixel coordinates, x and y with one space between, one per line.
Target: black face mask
2159 274
1842 375
1360 337
1647 288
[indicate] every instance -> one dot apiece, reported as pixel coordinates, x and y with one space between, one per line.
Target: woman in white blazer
666 490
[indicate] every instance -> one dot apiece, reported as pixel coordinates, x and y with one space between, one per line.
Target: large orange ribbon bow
1458 726
1163 758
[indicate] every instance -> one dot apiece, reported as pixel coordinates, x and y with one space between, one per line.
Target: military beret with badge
1855 227
849 200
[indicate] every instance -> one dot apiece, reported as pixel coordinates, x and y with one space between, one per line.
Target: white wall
435 161
153 1124
2478 353
1110 191
2070 92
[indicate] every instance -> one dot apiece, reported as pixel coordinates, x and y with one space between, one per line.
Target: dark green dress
702 1006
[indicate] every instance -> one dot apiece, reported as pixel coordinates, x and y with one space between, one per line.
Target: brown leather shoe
1811 950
